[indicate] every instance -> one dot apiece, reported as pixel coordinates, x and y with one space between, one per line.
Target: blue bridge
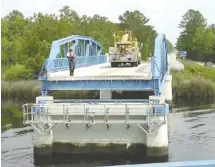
129 125
93 71
114 126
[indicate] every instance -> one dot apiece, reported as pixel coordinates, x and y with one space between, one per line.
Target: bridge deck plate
105 72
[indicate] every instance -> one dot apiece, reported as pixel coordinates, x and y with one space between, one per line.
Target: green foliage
196 37
26 41
23 90
199 71
137 23
170 47
16 72
11 114
196 83
20 90
197 89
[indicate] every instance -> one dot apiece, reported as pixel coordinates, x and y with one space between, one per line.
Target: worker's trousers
71 67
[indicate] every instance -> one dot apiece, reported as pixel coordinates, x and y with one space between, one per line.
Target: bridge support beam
157 143
105 94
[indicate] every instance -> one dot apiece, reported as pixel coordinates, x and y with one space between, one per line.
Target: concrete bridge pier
167 88
157 142
43 142
105 94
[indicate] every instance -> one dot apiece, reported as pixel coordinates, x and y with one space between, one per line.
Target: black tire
114 64
136 64
132 64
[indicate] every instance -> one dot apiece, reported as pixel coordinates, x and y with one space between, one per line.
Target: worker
71 59
122 49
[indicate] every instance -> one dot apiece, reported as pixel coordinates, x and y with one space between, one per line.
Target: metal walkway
90 112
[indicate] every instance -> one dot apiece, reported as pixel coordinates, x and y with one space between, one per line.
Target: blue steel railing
159 65
60 64
155 67
159 60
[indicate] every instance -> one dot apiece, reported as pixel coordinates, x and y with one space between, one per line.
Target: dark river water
191 137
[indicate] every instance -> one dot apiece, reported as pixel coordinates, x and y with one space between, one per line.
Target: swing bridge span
125 122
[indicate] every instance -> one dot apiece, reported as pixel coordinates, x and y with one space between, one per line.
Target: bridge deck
105 72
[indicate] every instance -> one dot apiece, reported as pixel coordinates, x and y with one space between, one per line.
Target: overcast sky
164 15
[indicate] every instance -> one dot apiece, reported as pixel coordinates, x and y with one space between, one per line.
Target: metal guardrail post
106 115
148 118
23 114
127 115
34 114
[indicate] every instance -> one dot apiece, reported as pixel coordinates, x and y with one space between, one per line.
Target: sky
164 15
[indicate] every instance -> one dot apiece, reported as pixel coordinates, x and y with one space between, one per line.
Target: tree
191 21
137 23
170 47
212 27
26 41
132 20
69 14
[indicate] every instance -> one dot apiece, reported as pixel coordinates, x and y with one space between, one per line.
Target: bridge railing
59 64
159 60
98 111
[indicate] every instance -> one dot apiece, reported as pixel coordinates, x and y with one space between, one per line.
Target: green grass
196 84
20 90
28 90
195 70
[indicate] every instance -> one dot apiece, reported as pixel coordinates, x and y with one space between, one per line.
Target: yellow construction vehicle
126 49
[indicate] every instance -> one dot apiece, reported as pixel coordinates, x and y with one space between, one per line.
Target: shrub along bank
194 85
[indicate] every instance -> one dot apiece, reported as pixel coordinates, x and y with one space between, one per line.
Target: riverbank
27 91
194 85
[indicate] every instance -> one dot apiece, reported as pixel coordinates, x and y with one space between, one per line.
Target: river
191 137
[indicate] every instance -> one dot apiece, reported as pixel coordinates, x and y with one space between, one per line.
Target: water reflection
11 115
192 135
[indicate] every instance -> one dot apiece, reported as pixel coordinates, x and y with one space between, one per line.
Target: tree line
197 37
26 41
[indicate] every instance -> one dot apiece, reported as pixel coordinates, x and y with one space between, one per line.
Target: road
105 71
202 63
